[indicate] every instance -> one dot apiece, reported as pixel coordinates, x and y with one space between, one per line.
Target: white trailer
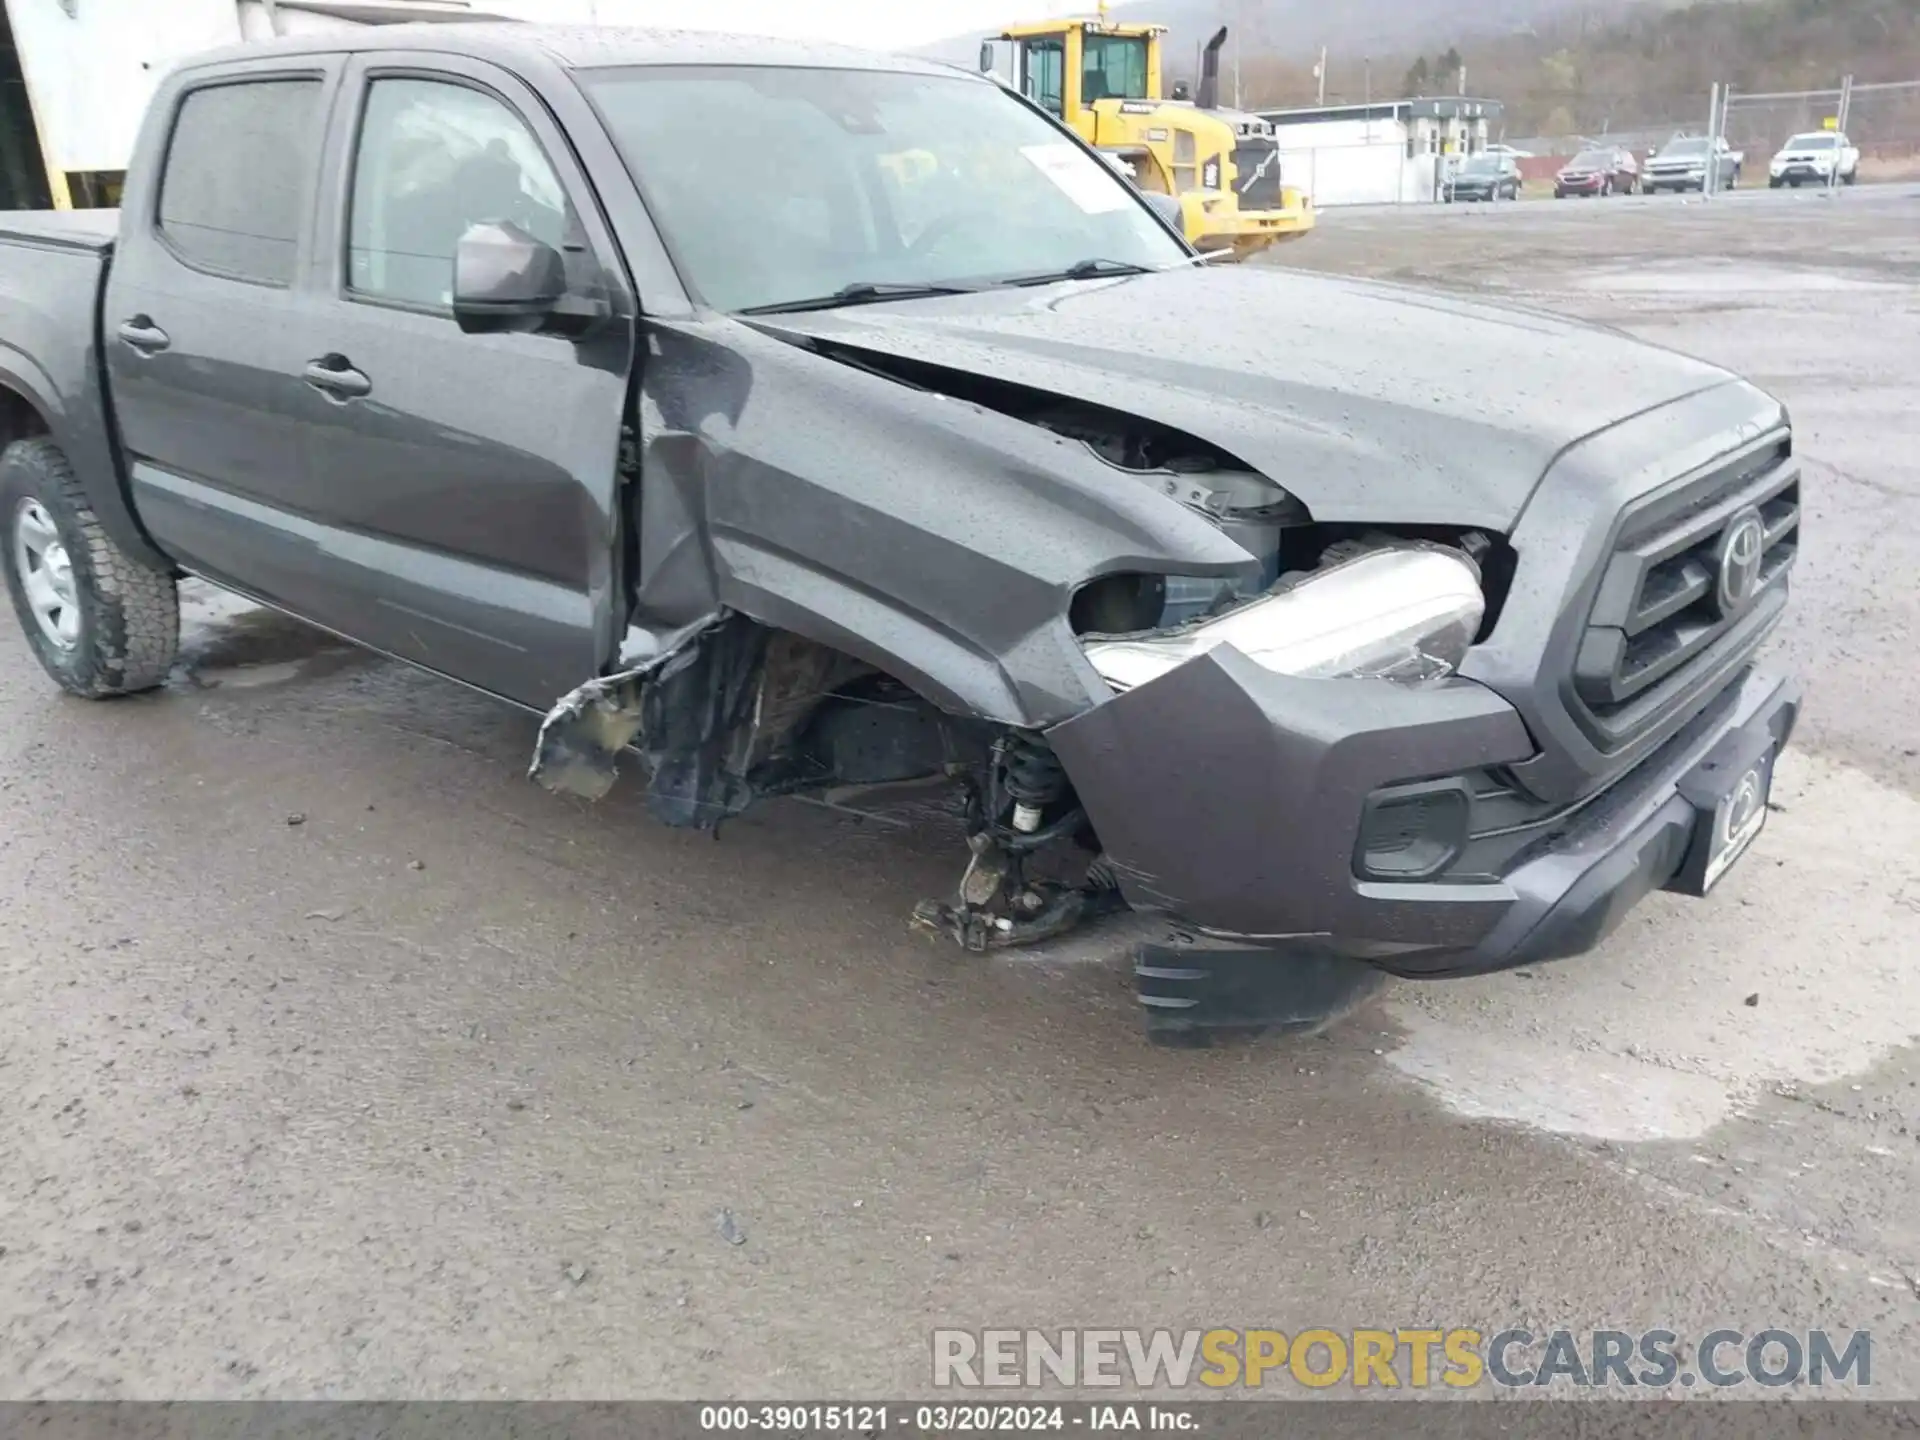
75 76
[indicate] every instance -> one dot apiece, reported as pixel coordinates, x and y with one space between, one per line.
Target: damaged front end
848 627
735 712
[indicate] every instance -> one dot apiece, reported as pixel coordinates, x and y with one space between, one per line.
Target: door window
1043 68
238 172
434 159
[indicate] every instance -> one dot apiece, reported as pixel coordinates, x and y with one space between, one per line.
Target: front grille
1697 577
1256 163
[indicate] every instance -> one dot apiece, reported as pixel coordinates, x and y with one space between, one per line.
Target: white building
1389 152
76 75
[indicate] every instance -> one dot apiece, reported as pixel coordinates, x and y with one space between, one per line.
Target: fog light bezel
1457 799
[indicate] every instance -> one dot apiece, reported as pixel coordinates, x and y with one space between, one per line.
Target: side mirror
986 57
504 280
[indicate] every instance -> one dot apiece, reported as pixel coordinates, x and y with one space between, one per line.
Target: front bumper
1217 223
1231 799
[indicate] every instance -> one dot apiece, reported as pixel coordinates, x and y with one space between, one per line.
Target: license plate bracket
1730 791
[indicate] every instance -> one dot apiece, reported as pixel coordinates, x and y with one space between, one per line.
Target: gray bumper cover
1230 798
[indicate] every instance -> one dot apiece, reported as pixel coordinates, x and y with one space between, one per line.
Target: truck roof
584 47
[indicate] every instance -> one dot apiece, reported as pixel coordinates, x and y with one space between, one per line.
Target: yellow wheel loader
1104 80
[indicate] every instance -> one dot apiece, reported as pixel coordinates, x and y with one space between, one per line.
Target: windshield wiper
862 292
1094 269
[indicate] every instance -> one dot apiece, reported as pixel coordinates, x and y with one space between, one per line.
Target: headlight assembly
1405 614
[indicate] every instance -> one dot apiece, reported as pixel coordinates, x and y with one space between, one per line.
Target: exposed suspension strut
1023 803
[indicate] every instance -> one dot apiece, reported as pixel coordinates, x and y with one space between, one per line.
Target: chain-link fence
1882 121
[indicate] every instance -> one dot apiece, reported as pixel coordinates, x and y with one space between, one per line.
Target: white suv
1811 159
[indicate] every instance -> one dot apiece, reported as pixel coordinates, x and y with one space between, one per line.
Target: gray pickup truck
778 419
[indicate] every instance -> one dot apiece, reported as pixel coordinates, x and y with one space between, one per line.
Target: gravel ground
345 1063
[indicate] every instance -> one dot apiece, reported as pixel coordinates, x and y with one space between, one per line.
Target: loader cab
1068 66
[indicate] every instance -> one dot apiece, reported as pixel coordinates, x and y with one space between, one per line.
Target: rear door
467 484
202 349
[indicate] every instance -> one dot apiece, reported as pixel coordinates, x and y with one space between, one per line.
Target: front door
200 338
470 481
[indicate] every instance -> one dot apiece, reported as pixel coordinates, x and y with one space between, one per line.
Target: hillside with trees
1599 69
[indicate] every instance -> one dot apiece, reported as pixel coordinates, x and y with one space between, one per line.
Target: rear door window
239 171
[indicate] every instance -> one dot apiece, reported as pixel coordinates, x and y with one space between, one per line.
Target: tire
121 630
1852 177
1775 183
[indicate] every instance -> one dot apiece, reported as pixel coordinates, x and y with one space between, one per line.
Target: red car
1598 172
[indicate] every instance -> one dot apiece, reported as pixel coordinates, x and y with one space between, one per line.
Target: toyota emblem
1743 546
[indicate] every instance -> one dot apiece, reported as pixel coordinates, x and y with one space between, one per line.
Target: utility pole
1320 74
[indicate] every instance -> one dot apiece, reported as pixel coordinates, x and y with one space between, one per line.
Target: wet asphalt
341 1061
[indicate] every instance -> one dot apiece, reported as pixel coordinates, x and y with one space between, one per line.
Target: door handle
140 333
335 377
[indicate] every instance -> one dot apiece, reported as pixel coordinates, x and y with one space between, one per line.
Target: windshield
1592 160
1482 165
775 185
1816 141
1115 68
1686 147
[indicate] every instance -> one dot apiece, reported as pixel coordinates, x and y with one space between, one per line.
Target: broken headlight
1403 613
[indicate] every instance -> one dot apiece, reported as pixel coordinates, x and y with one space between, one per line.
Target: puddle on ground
1652 1037
229 643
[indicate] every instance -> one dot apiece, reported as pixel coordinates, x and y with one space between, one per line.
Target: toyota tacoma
779 419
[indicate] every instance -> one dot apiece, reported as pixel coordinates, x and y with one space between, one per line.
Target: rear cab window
238 175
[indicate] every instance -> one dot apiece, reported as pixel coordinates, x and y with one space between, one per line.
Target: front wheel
100 621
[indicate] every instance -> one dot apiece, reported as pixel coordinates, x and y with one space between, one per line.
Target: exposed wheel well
19 418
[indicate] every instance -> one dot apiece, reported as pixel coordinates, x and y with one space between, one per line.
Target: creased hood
1371 403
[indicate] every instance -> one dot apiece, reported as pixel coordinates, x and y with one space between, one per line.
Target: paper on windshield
1079 177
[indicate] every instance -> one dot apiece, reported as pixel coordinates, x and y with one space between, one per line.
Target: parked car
1486 176
1400 645
1684 164
1816 158
1604 170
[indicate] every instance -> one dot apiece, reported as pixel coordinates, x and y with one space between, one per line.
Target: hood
1370 403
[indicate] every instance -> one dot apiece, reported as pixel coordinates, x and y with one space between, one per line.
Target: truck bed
53 264
90 230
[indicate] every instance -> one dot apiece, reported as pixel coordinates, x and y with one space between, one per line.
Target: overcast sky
882 24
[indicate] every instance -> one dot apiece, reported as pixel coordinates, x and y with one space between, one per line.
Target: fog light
1413 832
